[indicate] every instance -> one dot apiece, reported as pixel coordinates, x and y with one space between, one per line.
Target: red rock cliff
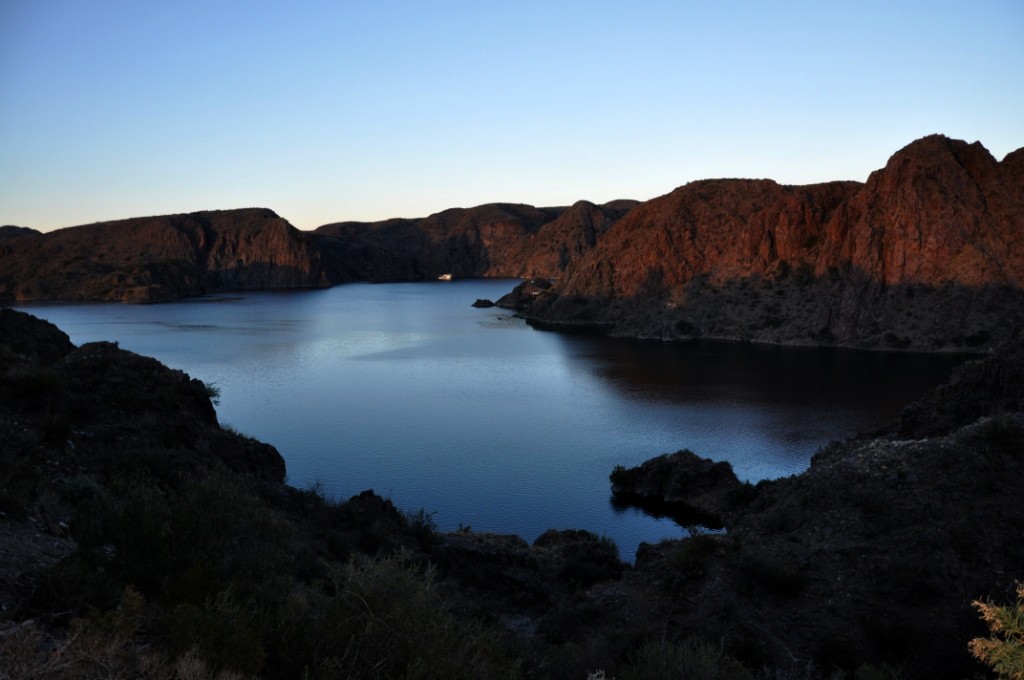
160 258
928 254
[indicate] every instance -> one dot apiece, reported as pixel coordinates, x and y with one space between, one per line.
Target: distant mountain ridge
928 254
154 259
492 240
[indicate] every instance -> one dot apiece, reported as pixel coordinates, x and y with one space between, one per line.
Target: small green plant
422 525
1003 650
618 475
213 392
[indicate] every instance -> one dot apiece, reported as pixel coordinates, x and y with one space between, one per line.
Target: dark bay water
472 415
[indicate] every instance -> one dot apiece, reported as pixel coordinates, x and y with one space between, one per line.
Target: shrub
212 392
383 618
692 658
1003 650
691 555
224 633
100 646
421 524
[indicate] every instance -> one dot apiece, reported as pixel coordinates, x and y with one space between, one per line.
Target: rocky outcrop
161 258
95 400
522 296
25 335
561 242
841 564
992 386
836 264
9 231
681 479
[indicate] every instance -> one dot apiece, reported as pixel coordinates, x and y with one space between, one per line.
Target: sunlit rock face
149 259
925 255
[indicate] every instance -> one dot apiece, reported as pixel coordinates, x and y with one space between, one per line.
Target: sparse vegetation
188 566
422 525
212 569
212 391
690 556
1003 650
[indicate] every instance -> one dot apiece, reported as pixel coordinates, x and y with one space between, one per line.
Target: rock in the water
483 304
682 478
523 296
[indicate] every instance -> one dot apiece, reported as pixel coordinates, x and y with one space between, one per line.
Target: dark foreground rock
67 412
135 531
989 386
875 553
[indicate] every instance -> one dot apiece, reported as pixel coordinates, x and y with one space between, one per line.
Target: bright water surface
472 415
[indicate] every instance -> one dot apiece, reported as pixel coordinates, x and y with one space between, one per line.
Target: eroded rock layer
925 255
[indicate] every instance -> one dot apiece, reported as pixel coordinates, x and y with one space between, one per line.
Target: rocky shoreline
868 559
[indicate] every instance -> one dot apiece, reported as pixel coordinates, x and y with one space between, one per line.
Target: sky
329 111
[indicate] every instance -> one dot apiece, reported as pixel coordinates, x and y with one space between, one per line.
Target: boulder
679 479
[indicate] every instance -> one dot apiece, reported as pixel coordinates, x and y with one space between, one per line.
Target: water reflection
407 389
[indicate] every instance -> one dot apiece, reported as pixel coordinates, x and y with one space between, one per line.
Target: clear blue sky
325 111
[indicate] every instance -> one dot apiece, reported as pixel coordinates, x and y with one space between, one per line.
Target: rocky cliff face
488 240
561 242
164 258
160 258
497 240
939 228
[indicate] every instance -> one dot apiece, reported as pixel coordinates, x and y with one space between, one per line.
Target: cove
483 421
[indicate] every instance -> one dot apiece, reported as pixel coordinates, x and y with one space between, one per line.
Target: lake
474 416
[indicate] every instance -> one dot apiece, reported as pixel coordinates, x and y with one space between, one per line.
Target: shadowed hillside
496 240
141 539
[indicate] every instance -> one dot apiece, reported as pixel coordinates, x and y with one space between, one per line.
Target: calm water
469 413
